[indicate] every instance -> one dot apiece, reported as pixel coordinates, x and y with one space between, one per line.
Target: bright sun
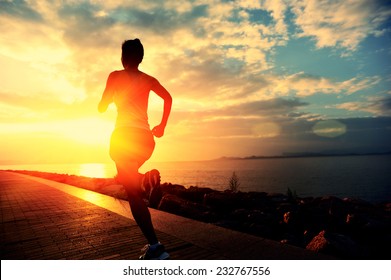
92 131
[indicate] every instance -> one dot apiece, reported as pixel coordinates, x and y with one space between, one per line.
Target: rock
176 205
277 197
257 195
201 190
387 207
358 202
262 230
361 206
291 225
291 240
286 207
327 212
313 218
355 220
260 217
196 194
288 217
223 201
240 214
308 235
377 226
306 200
334 206
256 200
172 188
334 244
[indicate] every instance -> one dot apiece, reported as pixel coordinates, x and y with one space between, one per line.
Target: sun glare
93 131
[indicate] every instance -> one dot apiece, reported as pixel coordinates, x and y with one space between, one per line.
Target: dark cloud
386 103
277 126
382 106
248 120
363 135
158 19
378 106
265 107
84 27
20 9
275 108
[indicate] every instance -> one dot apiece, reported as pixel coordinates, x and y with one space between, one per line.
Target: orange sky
247 77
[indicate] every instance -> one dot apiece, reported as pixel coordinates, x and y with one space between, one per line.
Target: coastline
287 155
343 228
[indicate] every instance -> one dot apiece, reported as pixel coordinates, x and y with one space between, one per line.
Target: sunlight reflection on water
96 170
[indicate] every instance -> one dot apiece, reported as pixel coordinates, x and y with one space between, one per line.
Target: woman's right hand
158 131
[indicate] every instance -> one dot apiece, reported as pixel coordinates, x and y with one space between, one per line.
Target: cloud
253 119
275 106
22 82
343 24
18 108
305 84
215 57
84 26
19 9
302 84
362 135
271 134
378 106
87 23
215 48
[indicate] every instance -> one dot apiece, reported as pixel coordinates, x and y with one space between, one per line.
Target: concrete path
42 219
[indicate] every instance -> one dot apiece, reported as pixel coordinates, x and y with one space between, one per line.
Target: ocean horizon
364 177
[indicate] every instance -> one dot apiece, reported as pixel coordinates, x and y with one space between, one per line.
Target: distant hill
302 155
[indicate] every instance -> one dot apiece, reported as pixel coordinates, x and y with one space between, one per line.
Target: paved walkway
42 219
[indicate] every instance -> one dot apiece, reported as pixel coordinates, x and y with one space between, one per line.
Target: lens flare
329 128
266 130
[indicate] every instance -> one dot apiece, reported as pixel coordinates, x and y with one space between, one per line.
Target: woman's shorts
129 144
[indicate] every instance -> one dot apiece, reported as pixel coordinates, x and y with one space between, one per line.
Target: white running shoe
156 252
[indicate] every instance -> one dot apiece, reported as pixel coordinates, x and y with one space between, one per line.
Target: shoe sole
163 256
154 178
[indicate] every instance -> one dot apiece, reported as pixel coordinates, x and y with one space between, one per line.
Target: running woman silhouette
132 141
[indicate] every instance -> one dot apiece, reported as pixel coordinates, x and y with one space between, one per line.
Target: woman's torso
131 93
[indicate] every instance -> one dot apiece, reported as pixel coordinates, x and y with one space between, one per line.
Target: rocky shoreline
343 228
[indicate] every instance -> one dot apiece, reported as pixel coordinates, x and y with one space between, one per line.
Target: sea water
362 177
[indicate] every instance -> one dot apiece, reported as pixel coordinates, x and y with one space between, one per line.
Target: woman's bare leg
129 177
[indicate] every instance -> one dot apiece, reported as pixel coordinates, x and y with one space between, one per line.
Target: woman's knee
127 173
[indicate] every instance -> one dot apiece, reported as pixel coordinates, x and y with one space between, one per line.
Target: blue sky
247 77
